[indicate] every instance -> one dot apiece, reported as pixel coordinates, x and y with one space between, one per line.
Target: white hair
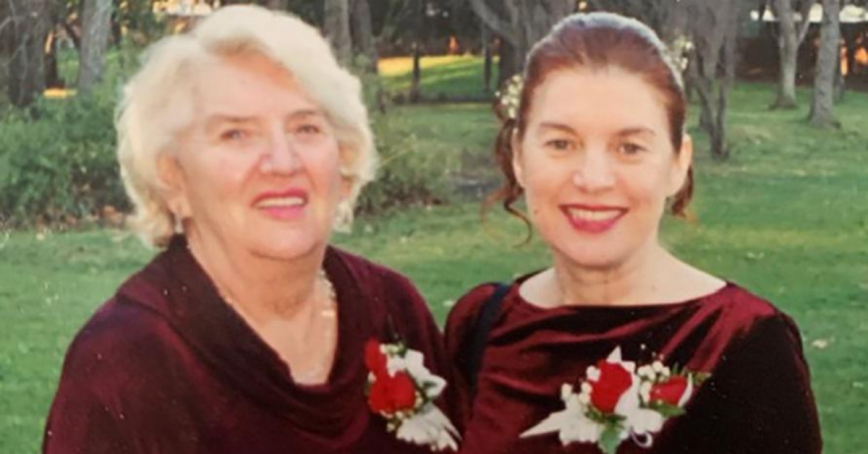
157 105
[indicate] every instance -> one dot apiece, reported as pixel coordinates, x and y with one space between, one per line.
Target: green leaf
667 410
610 439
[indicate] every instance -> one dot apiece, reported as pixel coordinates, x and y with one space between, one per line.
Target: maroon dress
757 399
166 366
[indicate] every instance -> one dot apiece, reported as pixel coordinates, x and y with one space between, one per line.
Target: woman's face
258 168
597 165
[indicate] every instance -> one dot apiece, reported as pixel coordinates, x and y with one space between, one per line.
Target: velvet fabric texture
167 366
758 397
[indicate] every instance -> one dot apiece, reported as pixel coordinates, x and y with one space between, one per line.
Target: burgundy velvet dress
757 399
166 366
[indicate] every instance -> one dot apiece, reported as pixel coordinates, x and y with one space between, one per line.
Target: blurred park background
779 110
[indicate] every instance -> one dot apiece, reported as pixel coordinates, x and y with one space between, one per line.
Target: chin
598 257
288 246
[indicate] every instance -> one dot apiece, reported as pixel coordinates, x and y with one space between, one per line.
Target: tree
520 24
362 34
791 34
30 21
657 15
713 30
278 5
827 67
419 28
337 28
95 31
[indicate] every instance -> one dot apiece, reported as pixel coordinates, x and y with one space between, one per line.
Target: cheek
646 189
224 175
323 164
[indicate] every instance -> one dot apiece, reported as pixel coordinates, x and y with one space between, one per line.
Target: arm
115 395
758 400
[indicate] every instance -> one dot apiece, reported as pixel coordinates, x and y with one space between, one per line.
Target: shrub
59 162
409 174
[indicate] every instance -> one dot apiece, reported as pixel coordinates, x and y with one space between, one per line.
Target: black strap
484 322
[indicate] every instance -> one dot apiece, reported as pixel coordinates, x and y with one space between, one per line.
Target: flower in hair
509 97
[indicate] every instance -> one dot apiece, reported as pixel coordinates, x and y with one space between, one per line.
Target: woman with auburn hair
619 346
242 144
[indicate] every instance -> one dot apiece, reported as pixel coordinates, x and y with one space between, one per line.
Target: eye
308 129
559 144
234 135
630 149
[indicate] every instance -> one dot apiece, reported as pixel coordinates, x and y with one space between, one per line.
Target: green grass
786 217
447 75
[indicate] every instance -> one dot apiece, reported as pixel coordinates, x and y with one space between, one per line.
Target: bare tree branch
503 27
805 25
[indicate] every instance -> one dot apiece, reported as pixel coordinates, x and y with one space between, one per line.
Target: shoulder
388 290
741 306
365 271
754 323
462 318
467 307
121 344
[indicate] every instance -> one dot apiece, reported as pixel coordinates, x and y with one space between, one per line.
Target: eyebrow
626 132
212 121
557 126
636 130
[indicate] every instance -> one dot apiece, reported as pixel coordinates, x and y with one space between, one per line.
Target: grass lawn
786 217
451 75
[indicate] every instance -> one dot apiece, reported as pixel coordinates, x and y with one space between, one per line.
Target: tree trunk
363 35
416 81
486 58
521 23
510 62
337 29
790 37
827 68
851 35
95 31
277 5
30 21
714 30
52 75
840 82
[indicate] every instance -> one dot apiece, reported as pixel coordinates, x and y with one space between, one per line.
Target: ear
174 186
682 164
517 164
346 187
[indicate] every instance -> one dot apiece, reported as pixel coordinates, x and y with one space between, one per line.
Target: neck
263 288
634 281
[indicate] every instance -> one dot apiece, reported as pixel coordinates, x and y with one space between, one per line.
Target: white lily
413 362
571 424
429 426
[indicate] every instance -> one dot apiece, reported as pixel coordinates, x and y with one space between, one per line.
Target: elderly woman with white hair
242 144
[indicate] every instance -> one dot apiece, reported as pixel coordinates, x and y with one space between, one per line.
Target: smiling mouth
597 220
281 202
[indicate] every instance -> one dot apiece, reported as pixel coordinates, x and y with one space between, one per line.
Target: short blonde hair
157 105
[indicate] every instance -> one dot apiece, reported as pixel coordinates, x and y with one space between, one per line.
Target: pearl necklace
327 312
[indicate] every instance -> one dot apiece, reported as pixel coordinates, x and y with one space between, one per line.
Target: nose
281 156
595 172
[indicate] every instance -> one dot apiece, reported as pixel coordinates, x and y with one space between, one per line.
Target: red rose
392 394
613 382
375 360
670 391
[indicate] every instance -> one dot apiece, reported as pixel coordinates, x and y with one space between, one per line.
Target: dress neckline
515 294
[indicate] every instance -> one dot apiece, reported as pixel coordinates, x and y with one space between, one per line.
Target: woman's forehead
248 87
584 99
